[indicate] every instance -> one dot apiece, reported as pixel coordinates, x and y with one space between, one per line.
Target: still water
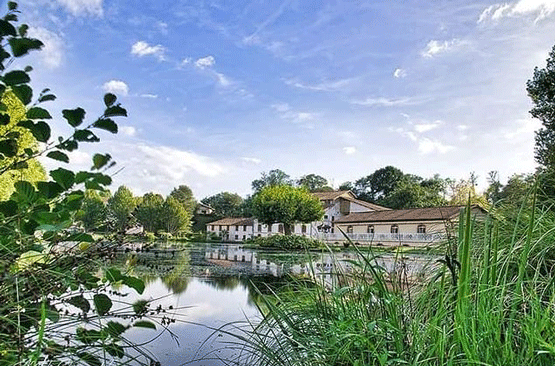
200 289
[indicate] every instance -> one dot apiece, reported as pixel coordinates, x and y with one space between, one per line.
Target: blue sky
219 91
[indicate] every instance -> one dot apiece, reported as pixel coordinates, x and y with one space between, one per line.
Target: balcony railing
386 237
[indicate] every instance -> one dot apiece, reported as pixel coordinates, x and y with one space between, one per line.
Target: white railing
386 237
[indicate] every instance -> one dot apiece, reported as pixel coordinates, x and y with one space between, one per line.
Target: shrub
288 242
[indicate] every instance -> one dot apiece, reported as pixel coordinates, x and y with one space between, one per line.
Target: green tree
274 177
120 208
541 90
376 186
184 195
94 213
287 205
149 212
225 204
314 183
175 218
414 192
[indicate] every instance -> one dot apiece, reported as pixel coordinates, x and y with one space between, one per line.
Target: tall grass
492 305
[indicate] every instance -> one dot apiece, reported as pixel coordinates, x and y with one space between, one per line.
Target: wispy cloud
149 96
387 102
128 130
540 8
399 73
205 62
425 145
425 127
323 86
141 49
83 7
253 37
304 119
251 160
52 54
435 48
349 150
116 87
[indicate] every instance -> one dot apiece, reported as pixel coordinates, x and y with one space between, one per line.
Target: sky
219 91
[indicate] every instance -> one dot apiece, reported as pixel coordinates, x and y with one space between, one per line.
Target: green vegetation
287 205
287 242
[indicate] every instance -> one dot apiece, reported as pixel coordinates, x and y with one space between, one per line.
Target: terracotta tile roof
410 214
233 221
332 195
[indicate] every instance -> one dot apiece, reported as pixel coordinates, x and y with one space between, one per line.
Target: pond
204 287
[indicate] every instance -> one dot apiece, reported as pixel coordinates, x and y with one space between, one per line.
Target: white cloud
425 127
186 61
304 119
116 87
83 7
428 146
323 86
222 79
434 48
385 102
523 129
148 95
349 150
205 62
128 130
251 160
281 107
540 8
52 54
399 73
141 48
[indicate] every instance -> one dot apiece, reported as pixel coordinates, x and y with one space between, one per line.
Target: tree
314 183
225 204
149 212
541 89
287 205
175 218
414 192
120 208
376 186
460 191
184 196
274 177
93 213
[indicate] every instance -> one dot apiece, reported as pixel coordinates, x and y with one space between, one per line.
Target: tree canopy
314 183
185 197
225 204
274 177
120 207
287 205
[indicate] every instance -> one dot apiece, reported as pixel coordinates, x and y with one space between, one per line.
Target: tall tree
314 183
225 204
414 192
379 184
120 208
287 205
175 218
149 212
184 195
541 90
93 213
274 177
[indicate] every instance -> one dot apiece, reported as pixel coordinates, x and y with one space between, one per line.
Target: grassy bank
489 303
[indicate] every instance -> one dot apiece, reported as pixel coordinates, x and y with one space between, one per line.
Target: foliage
541 90
175 218
460 190
379 184
120 208
149 212
46 266
184 196
287 205
94 212
287 242
416 192
225 204
314 183
274 177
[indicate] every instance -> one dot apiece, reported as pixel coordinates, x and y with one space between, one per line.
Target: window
259 228
220 227
227 228
269 228
394 229
332 218
280 228
244 237
303 229
350 229
370 229
236 237
244 227
212 227
421 229
325 217
236 227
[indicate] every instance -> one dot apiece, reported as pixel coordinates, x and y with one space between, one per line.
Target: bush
150 236
288 242
165 236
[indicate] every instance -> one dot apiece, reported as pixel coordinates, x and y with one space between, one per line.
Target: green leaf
58 155
135 283
25 190
10 17
8 208
114 350
4 119
140 306
144 324
114 275
85 135
80 237
63 177
115 329
46 97
23 30
69 145
24 93
6 29
102 303
100 160
114 111
109 99
38 113
8 147
40 130
90 359
16 77
29 227
74 116
106 124
49 189
12 5
80 302
22 46
80 177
